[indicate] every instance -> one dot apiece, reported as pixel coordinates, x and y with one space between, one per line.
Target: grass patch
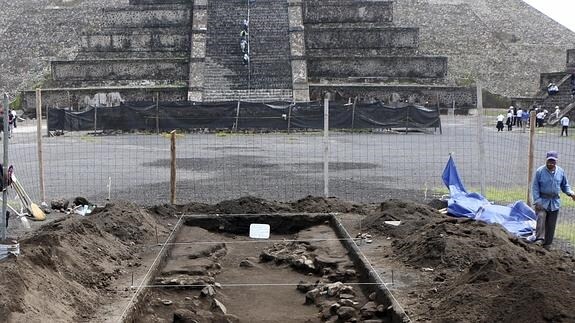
506 195
566 232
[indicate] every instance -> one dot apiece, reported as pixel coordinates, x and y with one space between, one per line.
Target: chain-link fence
363 165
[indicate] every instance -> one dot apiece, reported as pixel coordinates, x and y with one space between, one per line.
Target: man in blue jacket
549 181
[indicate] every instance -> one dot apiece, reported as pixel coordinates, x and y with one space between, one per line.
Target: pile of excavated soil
482 273
474 272
254 205
67 267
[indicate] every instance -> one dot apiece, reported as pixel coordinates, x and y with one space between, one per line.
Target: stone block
198 46
200 19
295 16
297 45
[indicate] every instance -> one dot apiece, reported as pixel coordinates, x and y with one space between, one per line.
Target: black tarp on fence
243 115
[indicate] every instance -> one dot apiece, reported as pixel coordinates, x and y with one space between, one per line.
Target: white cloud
561 11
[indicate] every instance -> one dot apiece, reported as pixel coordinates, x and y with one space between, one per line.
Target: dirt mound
412 216
66 266
314 204
254 205
482 273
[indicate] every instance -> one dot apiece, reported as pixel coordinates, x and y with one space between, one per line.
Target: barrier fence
365 165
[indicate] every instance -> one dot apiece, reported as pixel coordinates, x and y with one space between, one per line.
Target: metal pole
95 118
39 143
353 113
480 139
6 105
157 113
289 118
530 156
237 117
173 167
326 146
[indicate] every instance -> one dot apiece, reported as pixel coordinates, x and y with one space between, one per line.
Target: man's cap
553 155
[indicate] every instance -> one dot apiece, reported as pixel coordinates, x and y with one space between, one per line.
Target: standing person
520 118
540 117
243 45
514 116
564 125
548 182
557 112
509 121
500 119
11 122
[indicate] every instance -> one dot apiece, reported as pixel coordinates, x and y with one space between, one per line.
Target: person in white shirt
540 117
564 125
509 121
500 119
520 118
557 111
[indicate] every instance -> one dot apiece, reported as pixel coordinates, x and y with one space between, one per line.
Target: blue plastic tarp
517 218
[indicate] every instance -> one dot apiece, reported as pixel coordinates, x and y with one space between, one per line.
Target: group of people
244 42
515 117
520 118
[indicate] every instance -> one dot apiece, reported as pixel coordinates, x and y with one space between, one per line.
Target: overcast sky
562 11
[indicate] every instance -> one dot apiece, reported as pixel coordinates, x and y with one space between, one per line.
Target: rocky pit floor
440 269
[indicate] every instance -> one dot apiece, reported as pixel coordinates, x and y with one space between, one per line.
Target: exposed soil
441 269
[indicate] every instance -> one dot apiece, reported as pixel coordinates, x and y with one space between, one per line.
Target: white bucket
6 249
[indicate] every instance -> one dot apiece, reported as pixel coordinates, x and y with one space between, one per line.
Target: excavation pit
308 270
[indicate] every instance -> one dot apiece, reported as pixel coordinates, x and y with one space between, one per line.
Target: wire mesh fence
364 165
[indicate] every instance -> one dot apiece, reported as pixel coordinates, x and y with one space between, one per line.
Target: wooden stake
173 167
530 156
39 143
326 146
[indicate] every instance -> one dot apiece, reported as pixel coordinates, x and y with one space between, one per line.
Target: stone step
160 2
347 11
146 16
395 67
137 40
120 69
360 37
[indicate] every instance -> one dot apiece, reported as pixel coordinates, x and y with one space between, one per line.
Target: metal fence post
530 156
480 139
326 146
39 143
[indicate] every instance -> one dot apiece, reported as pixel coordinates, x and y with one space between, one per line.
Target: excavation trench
308 270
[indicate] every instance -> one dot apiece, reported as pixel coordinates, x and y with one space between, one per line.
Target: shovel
32 207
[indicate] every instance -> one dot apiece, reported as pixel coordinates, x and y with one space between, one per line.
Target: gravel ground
364 167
